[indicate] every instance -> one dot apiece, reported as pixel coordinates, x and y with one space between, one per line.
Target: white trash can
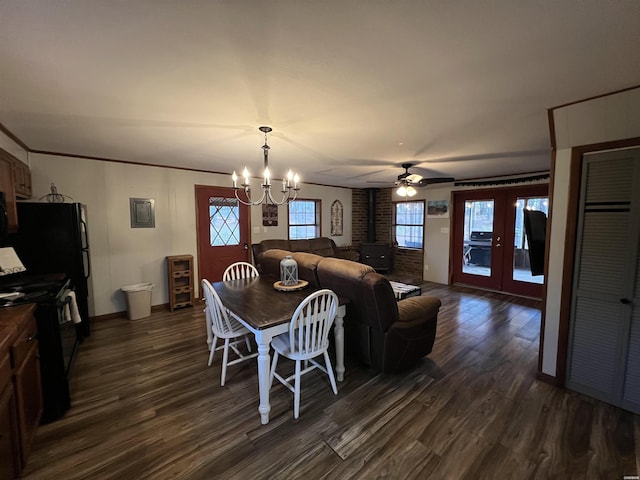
138 300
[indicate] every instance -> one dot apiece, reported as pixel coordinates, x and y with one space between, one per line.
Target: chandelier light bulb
402 191
411 191
245 174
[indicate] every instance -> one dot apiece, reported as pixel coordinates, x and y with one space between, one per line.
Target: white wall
614 117
436 234
122 255
311 192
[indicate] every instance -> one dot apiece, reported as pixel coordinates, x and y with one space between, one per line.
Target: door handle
246 247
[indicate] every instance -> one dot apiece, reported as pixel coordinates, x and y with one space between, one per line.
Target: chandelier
290 183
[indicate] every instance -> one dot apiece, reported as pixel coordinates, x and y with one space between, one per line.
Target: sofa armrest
414 310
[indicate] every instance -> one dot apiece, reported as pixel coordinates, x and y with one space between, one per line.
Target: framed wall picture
269 215
142 212
437 208
336 218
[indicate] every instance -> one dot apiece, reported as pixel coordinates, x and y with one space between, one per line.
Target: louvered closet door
601 341
631 395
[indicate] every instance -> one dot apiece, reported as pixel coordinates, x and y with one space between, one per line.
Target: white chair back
221 323
239 270
311 323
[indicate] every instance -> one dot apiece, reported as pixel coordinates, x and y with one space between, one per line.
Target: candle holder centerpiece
288 272
289 276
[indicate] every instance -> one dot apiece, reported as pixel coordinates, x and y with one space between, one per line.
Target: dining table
267 312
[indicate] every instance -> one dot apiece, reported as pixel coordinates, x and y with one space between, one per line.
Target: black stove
58 338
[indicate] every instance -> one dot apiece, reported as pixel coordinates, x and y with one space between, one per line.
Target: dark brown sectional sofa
322 246
386 334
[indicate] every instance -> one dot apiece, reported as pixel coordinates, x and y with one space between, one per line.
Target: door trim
571 231
197 188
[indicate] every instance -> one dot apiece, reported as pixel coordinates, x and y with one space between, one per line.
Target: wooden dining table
267 312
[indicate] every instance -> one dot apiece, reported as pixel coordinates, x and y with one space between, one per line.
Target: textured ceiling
352 88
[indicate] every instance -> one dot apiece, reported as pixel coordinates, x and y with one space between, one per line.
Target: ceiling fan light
402 191
411 191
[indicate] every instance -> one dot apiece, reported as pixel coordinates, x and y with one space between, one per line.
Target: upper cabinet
15 182
21 179
7 187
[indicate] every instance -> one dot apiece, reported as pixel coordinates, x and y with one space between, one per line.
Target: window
304 219
224 224
408 225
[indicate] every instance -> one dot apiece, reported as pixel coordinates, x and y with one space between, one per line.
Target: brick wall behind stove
405 262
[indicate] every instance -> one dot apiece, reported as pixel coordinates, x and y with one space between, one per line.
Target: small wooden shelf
180 271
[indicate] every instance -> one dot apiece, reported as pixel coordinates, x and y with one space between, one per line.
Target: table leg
338 331
264 363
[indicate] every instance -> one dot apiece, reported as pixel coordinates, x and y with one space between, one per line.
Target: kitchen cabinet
21 398
9 438
8 187
21 179
181 289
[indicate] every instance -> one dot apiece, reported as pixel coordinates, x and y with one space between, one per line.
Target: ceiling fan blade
429 181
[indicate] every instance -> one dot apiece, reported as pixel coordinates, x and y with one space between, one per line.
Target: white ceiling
352 88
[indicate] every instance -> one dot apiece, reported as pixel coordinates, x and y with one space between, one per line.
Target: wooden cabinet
21 179
377 255
26 376
9 438
21 397
7 186
181 289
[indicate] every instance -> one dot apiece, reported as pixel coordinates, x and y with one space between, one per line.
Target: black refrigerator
53 238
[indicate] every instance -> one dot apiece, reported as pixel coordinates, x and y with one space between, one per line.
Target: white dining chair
239 270
224 326
307 338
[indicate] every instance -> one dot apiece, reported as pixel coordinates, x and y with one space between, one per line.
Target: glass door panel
521 268
478 231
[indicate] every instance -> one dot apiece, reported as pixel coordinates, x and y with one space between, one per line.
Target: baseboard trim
108 316
543 377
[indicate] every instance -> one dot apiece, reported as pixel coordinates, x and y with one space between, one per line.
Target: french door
222 224
490 248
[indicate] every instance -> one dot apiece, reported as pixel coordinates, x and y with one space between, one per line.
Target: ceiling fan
408 181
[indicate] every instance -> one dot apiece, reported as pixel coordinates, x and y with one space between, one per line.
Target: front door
222 224
490 249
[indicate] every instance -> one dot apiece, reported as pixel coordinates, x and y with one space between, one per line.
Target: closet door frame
571 230
619 303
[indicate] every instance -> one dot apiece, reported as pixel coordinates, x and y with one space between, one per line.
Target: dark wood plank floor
146 406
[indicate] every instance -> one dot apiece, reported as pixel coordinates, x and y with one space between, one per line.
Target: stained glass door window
224 221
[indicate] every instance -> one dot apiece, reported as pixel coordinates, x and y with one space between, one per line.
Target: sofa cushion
302 245
276 243
322 246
